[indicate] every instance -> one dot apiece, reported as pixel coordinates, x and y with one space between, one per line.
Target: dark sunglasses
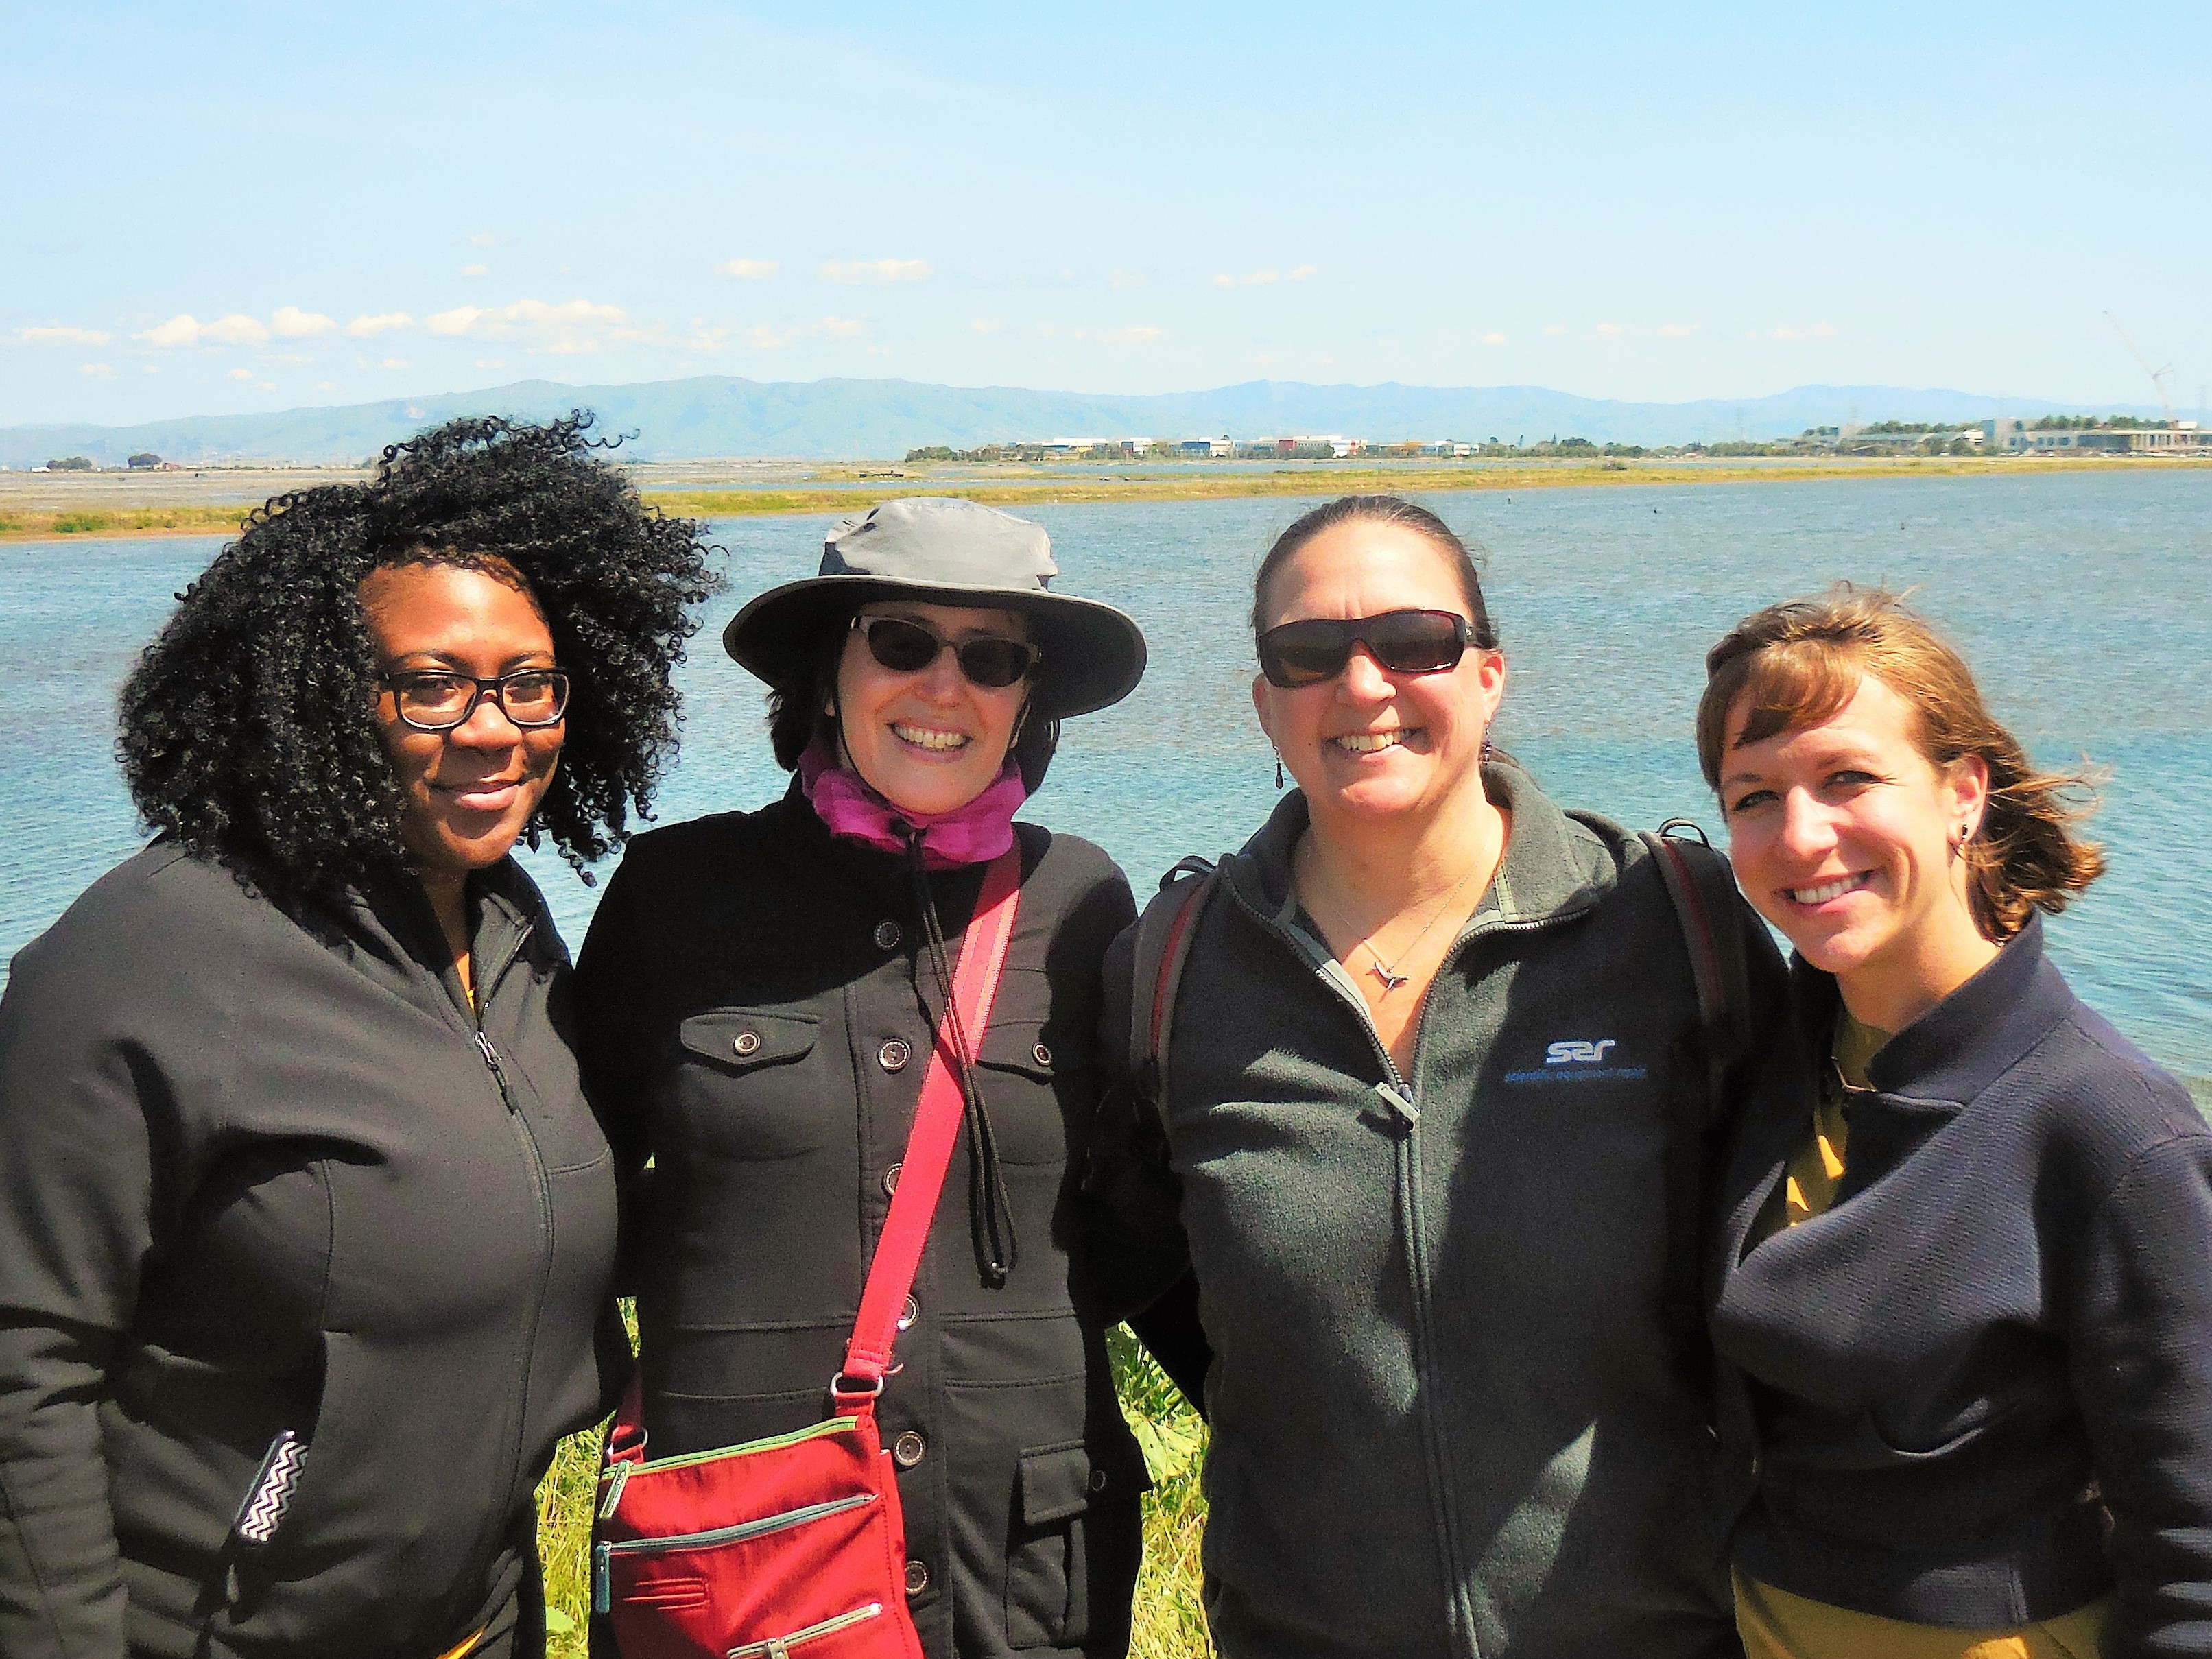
908 648
1404 641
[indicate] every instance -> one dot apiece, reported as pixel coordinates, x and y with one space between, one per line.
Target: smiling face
1370 742
1843 835
464 794
931 740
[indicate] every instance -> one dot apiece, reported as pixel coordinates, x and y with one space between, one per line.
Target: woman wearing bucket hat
761 998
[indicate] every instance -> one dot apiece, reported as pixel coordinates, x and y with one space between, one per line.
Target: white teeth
1369 743
922 738
1822 894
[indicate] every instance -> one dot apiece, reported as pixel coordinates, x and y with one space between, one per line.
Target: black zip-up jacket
756 1014
1451 1419
259 1176
1997 1340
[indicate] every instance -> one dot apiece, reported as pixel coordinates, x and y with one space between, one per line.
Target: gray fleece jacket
1448 1414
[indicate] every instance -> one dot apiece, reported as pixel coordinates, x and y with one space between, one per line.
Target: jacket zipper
543 1190
1406 1110
603 1554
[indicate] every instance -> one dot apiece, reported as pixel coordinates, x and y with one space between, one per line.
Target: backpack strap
1702 889
1163 946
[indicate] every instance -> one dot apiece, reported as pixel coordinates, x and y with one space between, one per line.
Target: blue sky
232 207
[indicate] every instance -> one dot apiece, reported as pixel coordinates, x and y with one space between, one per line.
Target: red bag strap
936 1126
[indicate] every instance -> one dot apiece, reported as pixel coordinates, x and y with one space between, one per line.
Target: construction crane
2159 377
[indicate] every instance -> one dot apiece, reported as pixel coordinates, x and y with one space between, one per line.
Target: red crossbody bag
794 1548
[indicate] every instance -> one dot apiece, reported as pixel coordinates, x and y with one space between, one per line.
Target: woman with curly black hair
305 1227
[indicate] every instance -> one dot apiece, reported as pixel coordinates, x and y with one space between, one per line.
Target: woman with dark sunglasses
305 1227
1435 1089
759 997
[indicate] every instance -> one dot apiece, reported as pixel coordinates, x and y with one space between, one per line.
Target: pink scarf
974 833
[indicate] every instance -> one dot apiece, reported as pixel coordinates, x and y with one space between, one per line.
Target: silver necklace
1388 971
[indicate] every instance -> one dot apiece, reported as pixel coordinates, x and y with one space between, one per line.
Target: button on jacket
256 1178
1997 1341
1449 1417
758 1018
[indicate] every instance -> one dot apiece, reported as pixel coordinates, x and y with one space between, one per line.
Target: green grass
184 519
1169 1621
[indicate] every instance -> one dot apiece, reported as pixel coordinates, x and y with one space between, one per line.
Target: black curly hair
247 729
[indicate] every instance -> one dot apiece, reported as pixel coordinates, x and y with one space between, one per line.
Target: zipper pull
1403 1109
602 1572
498 1072
262 1510
617 1477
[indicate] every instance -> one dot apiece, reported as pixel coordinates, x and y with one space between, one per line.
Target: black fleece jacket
1998 1341
256 1177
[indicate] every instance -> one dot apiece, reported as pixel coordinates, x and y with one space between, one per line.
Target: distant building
1206 447
2020 437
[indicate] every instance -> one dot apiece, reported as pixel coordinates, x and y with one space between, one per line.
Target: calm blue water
2079 597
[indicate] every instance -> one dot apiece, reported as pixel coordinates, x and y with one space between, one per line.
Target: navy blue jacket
1978 1389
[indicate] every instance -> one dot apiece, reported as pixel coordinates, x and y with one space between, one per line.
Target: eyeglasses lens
906 647
437 703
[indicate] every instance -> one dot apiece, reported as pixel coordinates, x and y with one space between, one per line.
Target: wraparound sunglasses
1315 649
908 648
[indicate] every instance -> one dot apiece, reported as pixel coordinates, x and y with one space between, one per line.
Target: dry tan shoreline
214 500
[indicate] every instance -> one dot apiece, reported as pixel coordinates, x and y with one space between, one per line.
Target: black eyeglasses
908 648
432 700
1309 652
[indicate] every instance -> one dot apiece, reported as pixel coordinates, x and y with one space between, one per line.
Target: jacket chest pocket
749 1083
1036 1079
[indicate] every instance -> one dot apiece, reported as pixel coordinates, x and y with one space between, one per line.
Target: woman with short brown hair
1964 1314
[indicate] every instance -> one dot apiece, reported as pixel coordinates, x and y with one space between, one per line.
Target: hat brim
1094 654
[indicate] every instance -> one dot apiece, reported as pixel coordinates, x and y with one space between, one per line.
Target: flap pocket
744 1039
1055 1483
1019 1045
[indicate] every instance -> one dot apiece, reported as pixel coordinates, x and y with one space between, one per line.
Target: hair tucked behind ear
1797 664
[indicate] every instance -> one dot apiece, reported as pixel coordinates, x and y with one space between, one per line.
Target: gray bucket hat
945 551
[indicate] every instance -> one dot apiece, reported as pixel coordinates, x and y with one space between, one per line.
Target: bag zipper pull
617 1477
602 1572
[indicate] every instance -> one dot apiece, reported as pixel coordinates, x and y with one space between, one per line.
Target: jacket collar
1553 865
1964 1043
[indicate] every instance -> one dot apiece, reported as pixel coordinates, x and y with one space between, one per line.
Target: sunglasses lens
1302 653
904 647
994 664
1416 641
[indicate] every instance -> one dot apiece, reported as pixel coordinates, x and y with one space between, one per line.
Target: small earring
1279 770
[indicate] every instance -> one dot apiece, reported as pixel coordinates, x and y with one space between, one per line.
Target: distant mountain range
721 415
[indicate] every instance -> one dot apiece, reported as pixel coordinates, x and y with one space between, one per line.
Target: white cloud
293 323
476 271
1608 328
988 326
1126 279
748 270
237 329
63 334
367 328
877 271
181 331
1678 331
265 386
1493 339
326 386
1818 332
1555 328
99 371
241 374
395 362
1134 334
483 238
491 362
528 317
1302 273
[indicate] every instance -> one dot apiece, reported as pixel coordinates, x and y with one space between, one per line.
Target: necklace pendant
1390 982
